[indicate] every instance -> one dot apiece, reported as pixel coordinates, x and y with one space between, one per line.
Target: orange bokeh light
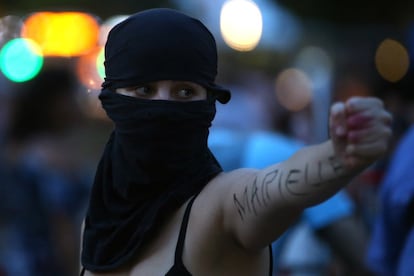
62 33
293 89
87 71
392 60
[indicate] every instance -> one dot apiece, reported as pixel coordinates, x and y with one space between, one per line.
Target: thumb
337 122
338 130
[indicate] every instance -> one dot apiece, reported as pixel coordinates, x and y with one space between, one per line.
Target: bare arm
264 203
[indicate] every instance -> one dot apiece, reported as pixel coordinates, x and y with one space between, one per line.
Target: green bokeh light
20 59
100 63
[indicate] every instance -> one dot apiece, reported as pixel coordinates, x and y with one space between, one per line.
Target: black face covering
156 158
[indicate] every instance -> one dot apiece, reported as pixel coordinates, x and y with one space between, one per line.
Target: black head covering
162 44
157 156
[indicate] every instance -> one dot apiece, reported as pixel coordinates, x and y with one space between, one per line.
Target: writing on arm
292 182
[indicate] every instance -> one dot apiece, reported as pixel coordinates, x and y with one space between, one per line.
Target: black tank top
179 269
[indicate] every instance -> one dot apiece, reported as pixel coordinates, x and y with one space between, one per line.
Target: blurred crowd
50 143
46 169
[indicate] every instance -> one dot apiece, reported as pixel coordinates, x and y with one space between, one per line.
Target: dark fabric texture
156 158
162 44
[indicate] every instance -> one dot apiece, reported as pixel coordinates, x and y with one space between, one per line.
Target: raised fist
360 130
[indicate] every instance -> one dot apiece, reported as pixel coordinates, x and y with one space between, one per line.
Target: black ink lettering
269 177
318 183
280 185
291 181
336 165
242 208
254 197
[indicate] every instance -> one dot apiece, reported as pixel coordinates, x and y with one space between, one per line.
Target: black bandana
157 157
162 44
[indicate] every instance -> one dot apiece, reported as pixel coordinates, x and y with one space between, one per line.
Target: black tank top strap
271 260
183 231
178 260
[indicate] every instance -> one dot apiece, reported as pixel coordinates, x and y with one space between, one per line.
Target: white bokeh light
241 24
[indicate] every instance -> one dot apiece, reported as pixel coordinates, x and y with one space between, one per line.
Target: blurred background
285 62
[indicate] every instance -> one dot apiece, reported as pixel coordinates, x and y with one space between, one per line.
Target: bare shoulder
208 243
213 200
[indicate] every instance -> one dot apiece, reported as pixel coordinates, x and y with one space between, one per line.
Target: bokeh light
100 63
241 24
317 64
87 70
392 60
107 25
62 33
20 59
293 89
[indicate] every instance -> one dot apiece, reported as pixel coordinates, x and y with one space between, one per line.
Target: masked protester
160 203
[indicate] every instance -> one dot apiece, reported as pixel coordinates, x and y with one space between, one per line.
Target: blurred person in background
391 249
42 191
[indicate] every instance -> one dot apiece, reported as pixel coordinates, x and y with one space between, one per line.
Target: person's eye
185 93
143 91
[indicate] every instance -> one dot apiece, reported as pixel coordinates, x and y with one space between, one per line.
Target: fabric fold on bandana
156 158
